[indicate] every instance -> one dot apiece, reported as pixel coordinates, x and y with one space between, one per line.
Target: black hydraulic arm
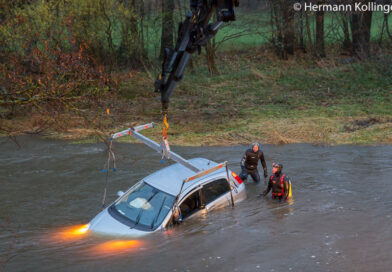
193 33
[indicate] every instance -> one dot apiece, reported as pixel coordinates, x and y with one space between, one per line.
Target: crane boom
193 33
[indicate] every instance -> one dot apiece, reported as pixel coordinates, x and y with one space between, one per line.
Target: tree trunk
210 52
288 26
148 15
360 27
386 15
277 35
320 45
301 32
382 32
142 13
356 32
135 56
309 33
347 41
167 25
366 25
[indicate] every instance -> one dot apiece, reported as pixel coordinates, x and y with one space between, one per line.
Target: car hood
105 224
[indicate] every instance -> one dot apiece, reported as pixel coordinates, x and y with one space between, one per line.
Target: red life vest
281 183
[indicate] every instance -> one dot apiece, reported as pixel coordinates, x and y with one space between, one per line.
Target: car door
192 204
216 194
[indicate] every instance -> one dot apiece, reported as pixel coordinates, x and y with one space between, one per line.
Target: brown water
340 219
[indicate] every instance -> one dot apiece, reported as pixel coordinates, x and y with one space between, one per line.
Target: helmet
278 165
256 144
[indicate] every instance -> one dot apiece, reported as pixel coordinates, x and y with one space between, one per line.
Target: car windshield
145 205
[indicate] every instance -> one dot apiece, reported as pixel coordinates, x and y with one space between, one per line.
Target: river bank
255 96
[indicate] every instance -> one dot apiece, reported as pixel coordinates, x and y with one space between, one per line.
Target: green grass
256 96
295 93
226 109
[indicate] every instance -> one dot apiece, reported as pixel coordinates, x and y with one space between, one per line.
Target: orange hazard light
71 233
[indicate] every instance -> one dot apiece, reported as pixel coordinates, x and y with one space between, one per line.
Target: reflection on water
116 247
338 220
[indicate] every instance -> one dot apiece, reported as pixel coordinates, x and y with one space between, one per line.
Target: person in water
250 161
279 183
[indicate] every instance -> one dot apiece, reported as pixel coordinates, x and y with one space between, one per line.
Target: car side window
191 204
215 189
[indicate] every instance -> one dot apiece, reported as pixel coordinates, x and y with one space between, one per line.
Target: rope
106 170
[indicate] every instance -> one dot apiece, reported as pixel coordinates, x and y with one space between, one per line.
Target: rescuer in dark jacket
278 183
250 161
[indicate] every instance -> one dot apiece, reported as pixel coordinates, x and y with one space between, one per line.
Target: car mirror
120 193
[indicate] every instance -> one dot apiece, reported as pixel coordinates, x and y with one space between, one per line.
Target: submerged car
189 186
148 205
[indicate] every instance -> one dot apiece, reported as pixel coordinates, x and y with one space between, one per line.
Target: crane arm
193 33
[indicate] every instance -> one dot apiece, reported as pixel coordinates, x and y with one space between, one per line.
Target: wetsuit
249 165
279 186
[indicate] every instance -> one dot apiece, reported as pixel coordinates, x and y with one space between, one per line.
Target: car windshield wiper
142 210
156 217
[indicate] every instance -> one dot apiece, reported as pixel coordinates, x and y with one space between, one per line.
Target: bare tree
282 24
366 25
361 23
347 45
167 25
288 26
320 47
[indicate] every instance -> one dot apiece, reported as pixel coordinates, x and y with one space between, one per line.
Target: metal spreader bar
206 172
154 145
130 130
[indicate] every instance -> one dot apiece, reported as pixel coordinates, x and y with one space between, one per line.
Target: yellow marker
290 192
165 126
165 121
107 111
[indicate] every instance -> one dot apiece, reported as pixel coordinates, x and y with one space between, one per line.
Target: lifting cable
106 170
114 169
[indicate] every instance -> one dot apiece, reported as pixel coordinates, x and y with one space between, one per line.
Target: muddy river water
340 218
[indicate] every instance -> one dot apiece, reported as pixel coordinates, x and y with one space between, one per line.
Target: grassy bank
255 97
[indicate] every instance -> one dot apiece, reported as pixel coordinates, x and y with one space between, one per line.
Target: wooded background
132 33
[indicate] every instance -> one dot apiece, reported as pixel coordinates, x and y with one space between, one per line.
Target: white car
148 205
190 186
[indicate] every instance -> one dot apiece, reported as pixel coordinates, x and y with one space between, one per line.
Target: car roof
169 179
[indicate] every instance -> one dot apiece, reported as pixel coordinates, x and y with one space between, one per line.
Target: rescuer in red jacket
279 183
